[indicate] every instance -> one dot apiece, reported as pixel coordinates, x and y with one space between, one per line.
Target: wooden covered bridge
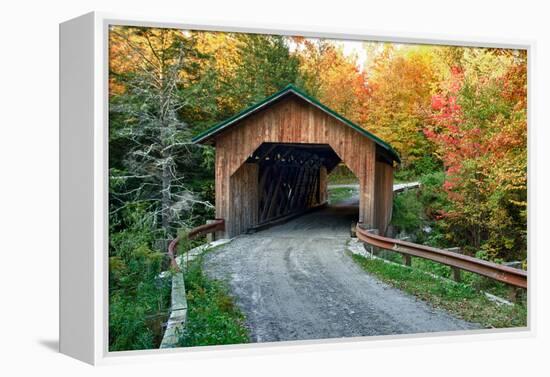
272 161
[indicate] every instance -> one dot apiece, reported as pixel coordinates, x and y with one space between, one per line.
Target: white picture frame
84 190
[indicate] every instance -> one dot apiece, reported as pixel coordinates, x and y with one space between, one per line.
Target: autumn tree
156 74
333 78
479 126
401 81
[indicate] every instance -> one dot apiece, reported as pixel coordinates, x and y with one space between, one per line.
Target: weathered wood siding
384 196
243 190
293 120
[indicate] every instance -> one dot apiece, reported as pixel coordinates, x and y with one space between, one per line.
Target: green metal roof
211 132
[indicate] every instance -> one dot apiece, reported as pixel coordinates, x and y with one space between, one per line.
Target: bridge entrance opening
292 178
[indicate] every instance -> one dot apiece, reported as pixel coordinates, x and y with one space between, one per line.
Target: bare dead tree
157 89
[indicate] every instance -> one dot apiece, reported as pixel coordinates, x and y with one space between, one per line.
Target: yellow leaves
134 49
485 64
223 47
519 203
333 78
401 82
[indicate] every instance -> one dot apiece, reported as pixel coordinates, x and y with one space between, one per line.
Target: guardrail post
353 232
371 248
513 293
407 260
455 271
212 235
456 274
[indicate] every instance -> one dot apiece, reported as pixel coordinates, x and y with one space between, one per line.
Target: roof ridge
302 94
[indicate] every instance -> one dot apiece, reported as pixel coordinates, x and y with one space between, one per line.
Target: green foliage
407 212
418 208
422 166
421 208
264 67
339 194
212 317
138 300
342 175
431 194
459 298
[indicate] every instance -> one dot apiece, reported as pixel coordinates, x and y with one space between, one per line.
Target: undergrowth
212 317
462 299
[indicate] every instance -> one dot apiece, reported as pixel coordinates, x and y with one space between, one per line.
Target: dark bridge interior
292 178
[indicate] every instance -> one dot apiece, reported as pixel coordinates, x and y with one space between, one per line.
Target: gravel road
294 281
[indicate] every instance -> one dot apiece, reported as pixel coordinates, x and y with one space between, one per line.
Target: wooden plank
273 201
384 195
293 182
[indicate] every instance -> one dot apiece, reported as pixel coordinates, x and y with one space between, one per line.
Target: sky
349 48
353 47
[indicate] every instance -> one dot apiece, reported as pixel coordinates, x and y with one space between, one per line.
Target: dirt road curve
295 281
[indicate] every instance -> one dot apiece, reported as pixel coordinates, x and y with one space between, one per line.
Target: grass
461 299
339 194
212 316
476 281
136 321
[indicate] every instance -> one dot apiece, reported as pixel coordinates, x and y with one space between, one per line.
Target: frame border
102 21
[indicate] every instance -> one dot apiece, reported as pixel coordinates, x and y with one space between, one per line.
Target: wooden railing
511 276
216 225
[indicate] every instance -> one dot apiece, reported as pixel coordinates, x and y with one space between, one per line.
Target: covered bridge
272 161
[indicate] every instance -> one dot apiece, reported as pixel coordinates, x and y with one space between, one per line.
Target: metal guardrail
512 276
214 226
400 187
